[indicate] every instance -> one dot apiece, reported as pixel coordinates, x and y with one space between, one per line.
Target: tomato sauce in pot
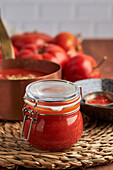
19 73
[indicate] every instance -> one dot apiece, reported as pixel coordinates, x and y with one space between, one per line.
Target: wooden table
98 49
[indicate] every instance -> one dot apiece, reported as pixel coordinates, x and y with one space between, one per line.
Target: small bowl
95 85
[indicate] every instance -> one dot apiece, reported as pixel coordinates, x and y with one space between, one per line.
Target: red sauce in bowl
99 100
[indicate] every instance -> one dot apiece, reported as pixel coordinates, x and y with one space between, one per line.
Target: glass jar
52 117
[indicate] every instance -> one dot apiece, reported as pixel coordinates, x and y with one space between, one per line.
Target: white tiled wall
92 18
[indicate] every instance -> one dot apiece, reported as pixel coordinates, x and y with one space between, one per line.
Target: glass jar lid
52 90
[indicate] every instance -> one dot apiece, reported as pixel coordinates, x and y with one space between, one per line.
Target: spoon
99 98
6 44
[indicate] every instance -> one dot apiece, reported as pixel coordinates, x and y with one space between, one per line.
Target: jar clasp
30 116
26 117
80 88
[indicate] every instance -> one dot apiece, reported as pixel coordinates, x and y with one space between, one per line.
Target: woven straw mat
94 148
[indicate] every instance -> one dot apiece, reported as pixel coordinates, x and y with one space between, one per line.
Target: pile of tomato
64 49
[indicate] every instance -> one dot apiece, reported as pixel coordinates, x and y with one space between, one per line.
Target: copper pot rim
33 79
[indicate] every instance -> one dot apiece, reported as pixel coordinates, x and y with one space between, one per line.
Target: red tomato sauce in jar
99 100
55 119
19 73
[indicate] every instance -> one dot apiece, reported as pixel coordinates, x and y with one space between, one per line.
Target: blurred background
92 18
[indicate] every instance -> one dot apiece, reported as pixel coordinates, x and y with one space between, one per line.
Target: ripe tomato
72 52
69 43
50 52
21 40
81 67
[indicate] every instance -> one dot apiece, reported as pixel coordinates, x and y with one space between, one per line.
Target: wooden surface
98 49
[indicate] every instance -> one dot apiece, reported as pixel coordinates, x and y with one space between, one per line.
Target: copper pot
12 91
